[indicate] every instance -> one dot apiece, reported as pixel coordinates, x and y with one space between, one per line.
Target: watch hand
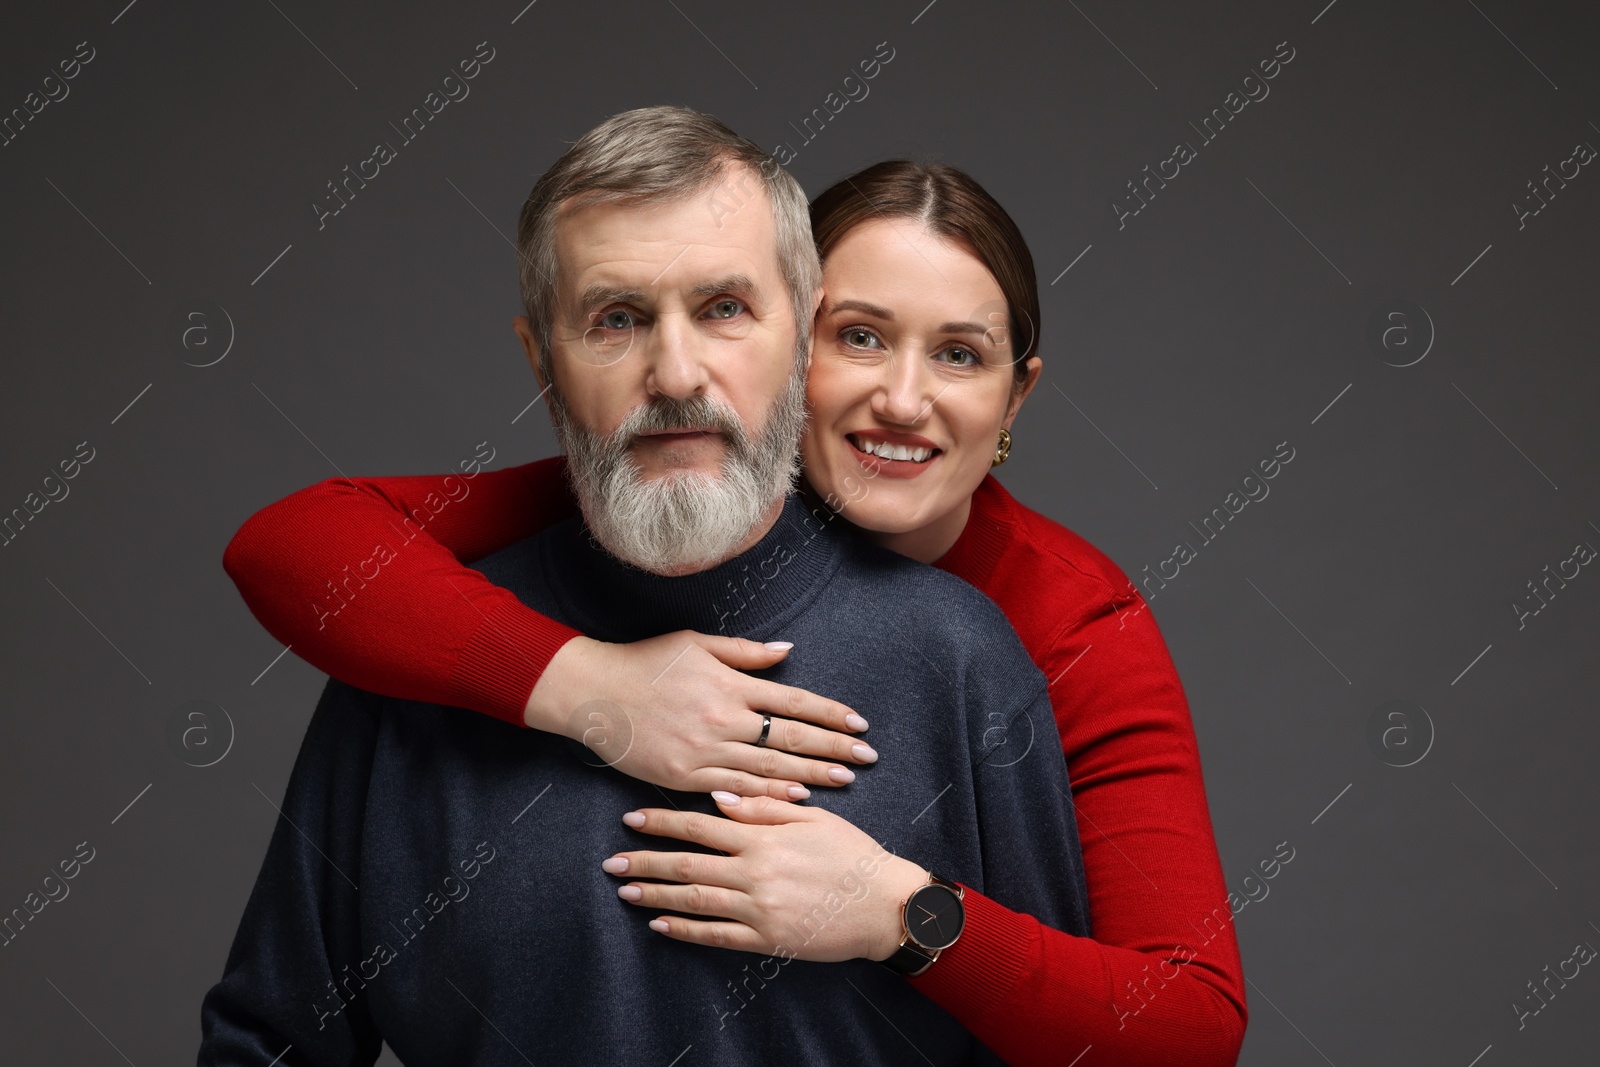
930 915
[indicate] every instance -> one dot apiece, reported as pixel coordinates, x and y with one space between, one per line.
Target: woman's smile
892 455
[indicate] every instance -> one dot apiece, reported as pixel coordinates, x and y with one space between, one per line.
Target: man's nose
677 358
904 392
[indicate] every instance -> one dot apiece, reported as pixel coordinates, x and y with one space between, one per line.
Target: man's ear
530 345
816 306
1020 393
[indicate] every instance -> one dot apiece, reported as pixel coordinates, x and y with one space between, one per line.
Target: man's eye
858 338
726 309
616 320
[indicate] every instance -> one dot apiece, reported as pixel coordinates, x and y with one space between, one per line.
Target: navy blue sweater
435 878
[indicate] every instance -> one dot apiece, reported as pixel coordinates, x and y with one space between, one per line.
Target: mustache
668 414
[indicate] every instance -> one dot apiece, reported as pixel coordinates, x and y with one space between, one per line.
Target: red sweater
339 573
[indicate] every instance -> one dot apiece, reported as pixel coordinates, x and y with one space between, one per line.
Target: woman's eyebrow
863 307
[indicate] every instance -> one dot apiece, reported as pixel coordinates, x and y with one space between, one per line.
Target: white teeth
885 450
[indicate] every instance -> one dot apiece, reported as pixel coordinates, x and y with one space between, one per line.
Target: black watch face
934 917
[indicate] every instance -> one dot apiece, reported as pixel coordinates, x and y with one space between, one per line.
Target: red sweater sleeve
1159 981
365 579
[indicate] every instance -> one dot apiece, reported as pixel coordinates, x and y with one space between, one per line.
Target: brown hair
949 202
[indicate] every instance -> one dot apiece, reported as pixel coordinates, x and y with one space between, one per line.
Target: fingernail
864 753
724 798
842 775
615 865
778 646
798 792
855 722
634 819
658 925
630 892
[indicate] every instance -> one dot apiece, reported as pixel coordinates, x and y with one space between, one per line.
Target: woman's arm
365 579
1160 980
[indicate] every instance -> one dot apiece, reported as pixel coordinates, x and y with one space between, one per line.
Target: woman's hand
678 711
798 882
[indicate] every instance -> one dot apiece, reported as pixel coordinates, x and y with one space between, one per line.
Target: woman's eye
961 357
861 339
616 320
726 309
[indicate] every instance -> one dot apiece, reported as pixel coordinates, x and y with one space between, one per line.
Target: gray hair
658 154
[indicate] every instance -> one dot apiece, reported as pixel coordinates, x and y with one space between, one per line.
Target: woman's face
911 380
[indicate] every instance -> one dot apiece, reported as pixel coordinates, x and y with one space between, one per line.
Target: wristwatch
932 918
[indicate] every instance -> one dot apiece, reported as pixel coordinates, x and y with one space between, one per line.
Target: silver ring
766 728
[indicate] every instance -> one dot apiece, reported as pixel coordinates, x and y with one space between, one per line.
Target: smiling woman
924 348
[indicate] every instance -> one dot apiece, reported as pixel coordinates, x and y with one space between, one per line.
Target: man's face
672 300
677 394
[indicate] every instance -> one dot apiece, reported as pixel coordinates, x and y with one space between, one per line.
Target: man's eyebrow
595 295
741 284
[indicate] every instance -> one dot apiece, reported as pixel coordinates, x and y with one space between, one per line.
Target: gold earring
1003 451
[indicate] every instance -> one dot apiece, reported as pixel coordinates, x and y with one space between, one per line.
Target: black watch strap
909 960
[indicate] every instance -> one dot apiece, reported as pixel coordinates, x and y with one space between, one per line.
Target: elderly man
435 881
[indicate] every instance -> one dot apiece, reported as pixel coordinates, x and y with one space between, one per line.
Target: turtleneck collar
612 600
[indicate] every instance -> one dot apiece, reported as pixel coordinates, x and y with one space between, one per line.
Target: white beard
689 520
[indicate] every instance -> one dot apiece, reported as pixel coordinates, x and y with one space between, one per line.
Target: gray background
1229 315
